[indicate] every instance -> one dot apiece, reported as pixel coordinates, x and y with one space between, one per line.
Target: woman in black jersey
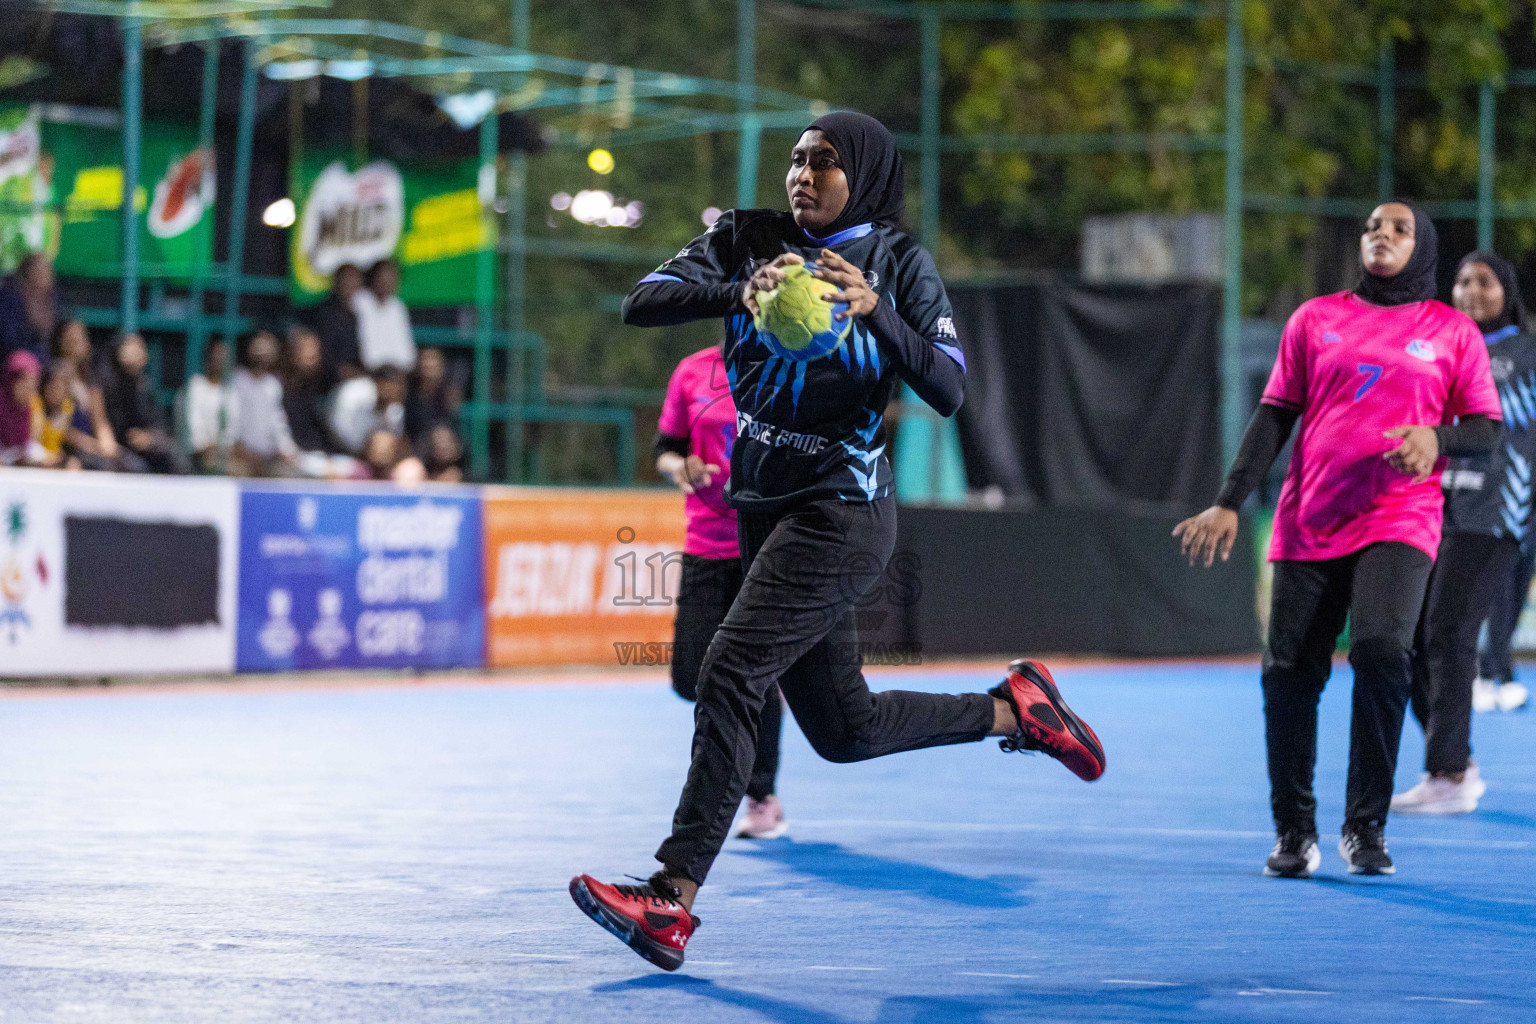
1487 520
816 518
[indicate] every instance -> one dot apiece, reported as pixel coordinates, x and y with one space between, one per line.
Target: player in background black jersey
816 517
1487 520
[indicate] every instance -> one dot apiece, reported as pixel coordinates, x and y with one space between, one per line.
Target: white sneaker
1485 695
1473 781
1439 795
1512 697
764 819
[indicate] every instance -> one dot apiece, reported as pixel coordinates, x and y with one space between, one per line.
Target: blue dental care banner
359 577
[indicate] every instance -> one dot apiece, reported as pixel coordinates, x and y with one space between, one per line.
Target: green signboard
63 194
432 221
26 222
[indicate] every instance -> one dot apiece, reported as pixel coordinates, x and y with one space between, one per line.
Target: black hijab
1416 281
1514 307
872 163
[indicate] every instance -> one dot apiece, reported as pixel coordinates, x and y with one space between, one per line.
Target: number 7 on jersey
1372 375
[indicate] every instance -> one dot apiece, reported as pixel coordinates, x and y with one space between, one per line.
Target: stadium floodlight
281 214
591 206
601 161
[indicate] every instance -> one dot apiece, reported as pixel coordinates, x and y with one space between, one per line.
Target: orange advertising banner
580 576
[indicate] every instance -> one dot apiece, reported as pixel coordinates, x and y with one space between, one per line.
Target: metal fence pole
518 380
133 91
1485 166
197 331
1232 398
235 264
746 101
932 27
517 274
521 27
485 302
1386 120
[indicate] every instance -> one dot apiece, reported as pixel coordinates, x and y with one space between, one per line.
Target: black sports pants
1469 572
1509 601
1381 589
704 594
793 624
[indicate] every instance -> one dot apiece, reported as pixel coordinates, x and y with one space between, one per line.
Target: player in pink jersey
693 449
1383 381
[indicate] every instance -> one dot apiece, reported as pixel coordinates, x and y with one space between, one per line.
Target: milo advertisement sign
430 220
347 218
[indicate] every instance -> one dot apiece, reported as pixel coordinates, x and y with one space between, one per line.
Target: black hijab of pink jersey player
1416 281
1513 313
872 163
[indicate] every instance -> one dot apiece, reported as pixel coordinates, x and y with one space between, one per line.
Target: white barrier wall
112 575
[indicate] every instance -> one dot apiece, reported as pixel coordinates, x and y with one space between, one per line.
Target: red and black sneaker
1045 721
646 917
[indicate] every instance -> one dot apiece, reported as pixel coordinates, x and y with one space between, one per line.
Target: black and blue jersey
1491 493
810 429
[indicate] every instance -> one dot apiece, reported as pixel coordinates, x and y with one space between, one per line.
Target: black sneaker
1295 855
1364 849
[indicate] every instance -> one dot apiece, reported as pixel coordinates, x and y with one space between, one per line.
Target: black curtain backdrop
1013 582
1103 396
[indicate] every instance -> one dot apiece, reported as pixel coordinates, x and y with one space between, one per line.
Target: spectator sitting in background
304 401
29 308
367 404
71 342
383 323
335 321
433 399
133 412
263 444
388 457
209 412
444 455
304 391
17 446
53 425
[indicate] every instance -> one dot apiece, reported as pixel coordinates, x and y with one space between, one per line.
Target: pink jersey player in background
1383 382
693 449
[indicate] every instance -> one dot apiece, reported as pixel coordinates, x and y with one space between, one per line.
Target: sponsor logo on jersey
1329 337
945 327
872 279
1502 367
1420 348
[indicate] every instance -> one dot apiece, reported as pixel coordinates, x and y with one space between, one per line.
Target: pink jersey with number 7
699 407
1354 371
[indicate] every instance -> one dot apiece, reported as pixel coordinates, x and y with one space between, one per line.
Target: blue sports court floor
401 853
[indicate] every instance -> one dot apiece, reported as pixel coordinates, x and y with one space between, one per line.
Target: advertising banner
112 575
26 225
61 191
359 577
581 576
431 220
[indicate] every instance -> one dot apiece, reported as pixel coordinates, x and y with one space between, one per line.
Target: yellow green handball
795 321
